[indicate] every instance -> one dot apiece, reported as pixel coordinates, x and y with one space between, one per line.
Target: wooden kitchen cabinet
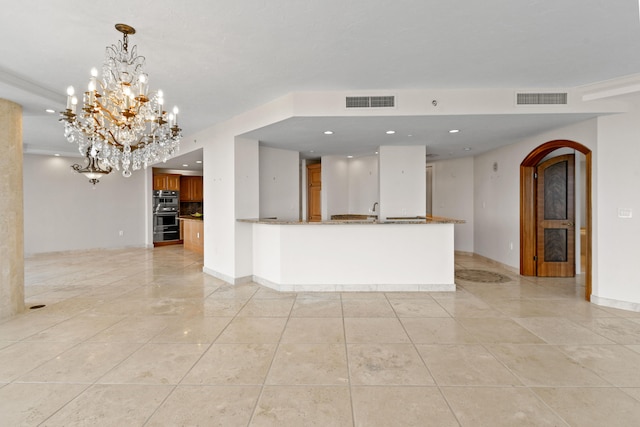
191 189
166 182
193 235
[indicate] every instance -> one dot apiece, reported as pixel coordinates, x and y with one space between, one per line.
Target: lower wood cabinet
193 235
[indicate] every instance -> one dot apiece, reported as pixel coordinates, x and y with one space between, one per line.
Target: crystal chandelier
120 125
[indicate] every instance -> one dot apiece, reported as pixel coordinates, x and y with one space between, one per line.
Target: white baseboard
355 287
225 278
622 305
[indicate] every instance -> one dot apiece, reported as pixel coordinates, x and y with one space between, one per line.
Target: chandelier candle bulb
142 86
70 92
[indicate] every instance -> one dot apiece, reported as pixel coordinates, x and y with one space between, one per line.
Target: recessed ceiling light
185 165
349 157
409 136
311 151
454 131
57 155
50 111
467 148
328 132
376 152
198 161
391 132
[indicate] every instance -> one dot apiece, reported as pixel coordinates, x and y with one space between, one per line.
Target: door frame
528 239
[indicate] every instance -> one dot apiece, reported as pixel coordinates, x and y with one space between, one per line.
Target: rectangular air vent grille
370 101
541 99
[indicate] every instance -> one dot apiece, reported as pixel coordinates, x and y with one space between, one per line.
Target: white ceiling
216 59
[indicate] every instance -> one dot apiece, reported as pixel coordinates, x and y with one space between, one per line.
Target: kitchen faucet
374 207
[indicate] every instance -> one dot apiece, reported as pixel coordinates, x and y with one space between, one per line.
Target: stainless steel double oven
166 226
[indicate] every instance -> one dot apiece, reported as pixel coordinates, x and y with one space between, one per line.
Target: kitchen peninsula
400 254
192 232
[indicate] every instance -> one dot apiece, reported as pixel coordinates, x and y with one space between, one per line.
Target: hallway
141 337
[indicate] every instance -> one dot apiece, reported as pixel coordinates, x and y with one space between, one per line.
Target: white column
11 211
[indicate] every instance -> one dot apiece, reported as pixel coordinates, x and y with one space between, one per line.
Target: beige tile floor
142 337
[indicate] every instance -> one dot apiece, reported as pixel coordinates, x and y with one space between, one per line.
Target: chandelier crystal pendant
120 125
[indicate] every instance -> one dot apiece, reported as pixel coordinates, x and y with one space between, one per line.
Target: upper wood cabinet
166 182
191 189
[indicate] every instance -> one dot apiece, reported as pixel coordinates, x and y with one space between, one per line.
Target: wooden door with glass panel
556 217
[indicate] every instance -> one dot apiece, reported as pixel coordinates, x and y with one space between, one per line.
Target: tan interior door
556 217
314 183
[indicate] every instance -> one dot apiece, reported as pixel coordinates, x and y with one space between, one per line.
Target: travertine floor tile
619 330
595 407
437 331
211 406
418 307
554 330
288 406
223 307
272 307
76 329
387 364
237 364
545 365
111 405
197 330
367 307
155 364
22 357
465 365
308 364
253 330
499 407
317 307
611 362
374 330
30 404
495 330
84 363
135 329
389 406
314 330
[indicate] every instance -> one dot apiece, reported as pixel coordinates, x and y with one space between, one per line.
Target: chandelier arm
112 140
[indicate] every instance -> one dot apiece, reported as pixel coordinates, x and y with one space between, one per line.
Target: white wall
453 197
64 212
403 190
279 183
335 186
246 174
363 184
617 245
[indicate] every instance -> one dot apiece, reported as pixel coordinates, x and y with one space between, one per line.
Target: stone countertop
192 218
390 220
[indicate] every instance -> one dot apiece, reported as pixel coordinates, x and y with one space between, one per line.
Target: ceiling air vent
541 99
370 101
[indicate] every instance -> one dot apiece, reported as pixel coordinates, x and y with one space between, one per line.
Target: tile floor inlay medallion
482 276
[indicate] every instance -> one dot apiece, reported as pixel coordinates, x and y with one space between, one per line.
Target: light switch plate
625 213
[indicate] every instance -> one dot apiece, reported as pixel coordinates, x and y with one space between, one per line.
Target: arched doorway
528 239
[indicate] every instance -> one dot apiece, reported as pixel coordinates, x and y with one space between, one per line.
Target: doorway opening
528 206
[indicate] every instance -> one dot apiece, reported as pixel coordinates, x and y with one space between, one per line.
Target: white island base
343 257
